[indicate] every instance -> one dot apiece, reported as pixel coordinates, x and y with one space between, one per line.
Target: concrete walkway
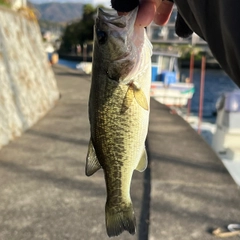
45 195
191 191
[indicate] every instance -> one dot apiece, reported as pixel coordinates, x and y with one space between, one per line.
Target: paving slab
191 191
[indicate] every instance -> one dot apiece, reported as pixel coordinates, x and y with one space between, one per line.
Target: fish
119 105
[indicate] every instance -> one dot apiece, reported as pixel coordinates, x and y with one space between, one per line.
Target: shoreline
210 64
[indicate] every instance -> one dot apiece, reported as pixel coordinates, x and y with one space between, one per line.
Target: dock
184 194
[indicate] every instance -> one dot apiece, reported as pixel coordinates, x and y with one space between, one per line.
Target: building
166 34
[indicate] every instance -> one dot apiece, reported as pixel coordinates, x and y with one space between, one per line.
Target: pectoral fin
141 98
142 165
137 93
92 163
127 101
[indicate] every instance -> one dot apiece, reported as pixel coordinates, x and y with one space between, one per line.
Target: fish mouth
125 44
118 30
111 16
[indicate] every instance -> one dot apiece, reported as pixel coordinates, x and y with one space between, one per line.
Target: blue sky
94 2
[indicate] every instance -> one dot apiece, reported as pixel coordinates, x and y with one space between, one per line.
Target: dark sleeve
124 5
218 22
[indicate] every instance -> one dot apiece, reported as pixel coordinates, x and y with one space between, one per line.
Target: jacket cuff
124 5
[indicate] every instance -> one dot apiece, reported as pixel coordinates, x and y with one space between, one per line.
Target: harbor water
217 82
67 63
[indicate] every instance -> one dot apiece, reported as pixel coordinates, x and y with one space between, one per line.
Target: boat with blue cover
166 86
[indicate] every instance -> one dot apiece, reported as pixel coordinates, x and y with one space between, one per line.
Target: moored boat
166 86
226 139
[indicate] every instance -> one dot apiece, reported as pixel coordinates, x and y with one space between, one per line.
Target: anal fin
92 163
143 162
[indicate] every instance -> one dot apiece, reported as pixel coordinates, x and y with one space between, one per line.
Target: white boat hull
85 67
175 94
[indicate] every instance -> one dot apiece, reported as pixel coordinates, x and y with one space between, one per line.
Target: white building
166 34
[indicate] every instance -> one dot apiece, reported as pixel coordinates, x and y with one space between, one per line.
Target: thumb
163 12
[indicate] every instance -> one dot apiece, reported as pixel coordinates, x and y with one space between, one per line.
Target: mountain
49 1
59 12
93 2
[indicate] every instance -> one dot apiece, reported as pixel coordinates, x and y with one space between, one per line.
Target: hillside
59 12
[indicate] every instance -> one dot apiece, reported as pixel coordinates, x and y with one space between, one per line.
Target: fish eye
102 36
114 76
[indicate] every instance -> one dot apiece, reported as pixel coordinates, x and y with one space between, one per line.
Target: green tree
5 3
81 31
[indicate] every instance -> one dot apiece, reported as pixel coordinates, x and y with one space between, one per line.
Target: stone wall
28 87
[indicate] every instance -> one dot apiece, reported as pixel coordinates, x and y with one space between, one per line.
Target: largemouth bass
119 111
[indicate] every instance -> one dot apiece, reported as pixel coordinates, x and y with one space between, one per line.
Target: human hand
158 11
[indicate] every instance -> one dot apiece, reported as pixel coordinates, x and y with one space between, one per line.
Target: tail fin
117 222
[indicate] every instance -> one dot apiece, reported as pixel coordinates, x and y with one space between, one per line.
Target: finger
146 11
163 12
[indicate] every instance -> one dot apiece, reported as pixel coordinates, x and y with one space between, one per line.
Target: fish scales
119 112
